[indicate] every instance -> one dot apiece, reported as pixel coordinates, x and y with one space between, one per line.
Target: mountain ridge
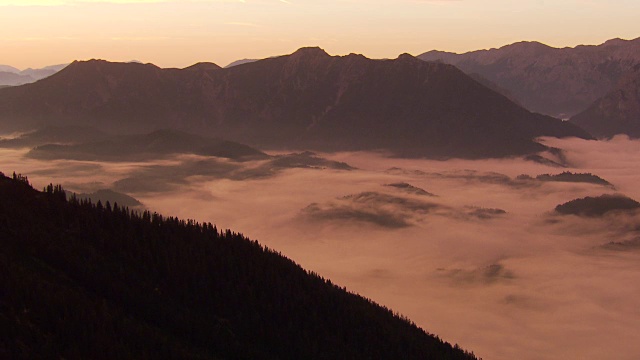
557 81
12 76
306 100
618 112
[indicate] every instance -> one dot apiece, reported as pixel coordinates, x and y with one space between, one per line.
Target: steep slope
618 112
304 100
99 282
558 82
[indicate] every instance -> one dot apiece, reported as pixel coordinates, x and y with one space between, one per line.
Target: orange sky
36 33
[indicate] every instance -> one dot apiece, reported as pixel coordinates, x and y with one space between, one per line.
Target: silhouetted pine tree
79 280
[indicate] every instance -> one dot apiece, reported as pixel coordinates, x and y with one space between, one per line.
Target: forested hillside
85 281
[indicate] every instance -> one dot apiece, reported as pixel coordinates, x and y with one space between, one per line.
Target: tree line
82 280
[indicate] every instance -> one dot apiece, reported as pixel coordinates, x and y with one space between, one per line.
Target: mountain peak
80 65
312 51
91 63
407 57
356 56
616 42
104 65
438 52
11 69
528 46
409 60
203 66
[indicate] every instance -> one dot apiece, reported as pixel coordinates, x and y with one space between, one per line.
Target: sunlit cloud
451 263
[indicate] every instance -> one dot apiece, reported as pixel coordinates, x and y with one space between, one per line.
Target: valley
480 257
363 180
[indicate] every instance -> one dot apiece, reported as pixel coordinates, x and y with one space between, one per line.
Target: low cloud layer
391 211
373 207
486 263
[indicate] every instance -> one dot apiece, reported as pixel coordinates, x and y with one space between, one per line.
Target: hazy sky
35 33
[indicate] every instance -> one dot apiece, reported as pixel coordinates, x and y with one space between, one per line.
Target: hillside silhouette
83 280
591 206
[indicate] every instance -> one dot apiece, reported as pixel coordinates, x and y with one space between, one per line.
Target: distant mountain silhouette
597 206
618 112
626 245
85 281
12 76
240 62
62 135
170 177
8 68
306 100
568 176
558 82
306 160
106 195
144 146
203 66
408 188
13 79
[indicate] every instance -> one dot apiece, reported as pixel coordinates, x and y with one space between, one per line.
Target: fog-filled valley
418 179
470 250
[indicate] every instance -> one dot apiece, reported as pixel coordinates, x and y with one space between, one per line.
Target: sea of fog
461 247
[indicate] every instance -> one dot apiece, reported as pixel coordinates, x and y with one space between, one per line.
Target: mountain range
306 100
618 112
561 82
11 76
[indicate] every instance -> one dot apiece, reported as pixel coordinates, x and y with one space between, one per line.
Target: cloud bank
485 263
